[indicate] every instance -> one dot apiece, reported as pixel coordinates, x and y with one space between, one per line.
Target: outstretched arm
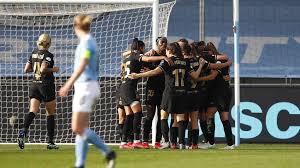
211 76
154 72
221 65
45 69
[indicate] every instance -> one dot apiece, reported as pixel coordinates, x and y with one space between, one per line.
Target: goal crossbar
79 1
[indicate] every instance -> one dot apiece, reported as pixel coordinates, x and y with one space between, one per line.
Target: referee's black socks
28 120
228 132
50 127
137 121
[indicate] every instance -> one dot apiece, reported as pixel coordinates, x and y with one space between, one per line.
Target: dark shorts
203 100
192 101
42 92
128 95
220 97
153 95
173 103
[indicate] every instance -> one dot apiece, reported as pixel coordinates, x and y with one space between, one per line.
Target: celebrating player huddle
190 82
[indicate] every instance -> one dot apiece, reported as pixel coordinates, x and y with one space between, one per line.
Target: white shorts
85 96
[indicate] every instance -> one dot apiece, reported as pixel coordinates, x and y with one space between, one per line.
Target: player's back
175 74
131 64
36 59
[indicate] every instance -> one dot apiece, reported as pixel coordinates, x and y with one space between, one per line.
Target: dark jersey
36 59
176 75
158 81
194 65
131 64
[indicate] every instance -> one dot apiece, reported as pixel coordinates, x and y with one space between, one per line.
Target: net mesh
114 26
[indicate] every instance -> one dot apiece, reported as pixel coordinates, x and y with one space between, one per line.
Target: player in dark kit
193 91
175 72
220 97
42 89
154 90
132 63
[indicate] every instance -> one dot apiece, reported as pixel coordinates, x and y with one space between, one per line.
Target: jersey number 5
179 77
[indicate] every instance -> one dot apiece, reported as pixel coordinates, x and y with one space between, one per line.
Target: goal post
115 24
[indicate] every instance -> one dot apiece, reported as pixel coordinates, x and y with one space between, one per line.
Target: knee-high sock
81 150
127 129
50 127
165 129
94 139
28 120
190 134
174 134
121 130
137 121
228 132
195 136
181 131
203 125
211 130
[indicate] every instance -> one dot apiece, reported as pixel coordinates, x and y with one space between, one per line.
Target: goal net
114 26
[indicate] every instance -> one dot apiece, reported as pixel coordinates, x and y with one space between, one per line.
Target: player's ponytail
44 42
83 22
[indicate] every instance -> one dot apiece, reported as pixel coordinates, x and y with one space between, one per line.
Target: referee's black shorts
44 92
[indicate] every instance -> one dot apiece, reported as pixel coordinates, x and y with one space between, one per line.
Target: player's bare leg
34 108
51 108
122 116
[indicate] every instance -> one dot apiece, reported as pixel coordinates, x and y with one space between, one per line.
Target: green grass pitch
246 156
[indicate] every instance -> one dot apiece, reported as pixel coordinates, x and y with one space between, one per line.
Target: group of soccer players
188 82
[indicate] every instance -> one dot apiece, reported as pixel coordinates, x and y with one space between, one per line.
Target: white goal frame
155 28
155 8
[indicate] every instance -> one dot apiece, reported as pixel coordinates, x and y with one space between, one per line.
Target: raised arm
154 72
196 74
152 58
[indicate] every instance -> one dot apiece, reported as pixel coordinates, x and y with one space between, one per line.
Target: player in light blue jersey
85 81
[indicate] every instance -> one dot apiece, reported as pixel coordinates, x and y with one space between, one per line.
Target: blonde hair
44 42
83 22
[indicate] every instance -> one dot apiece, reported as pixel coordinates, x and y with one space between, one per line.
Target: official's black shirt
36 59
